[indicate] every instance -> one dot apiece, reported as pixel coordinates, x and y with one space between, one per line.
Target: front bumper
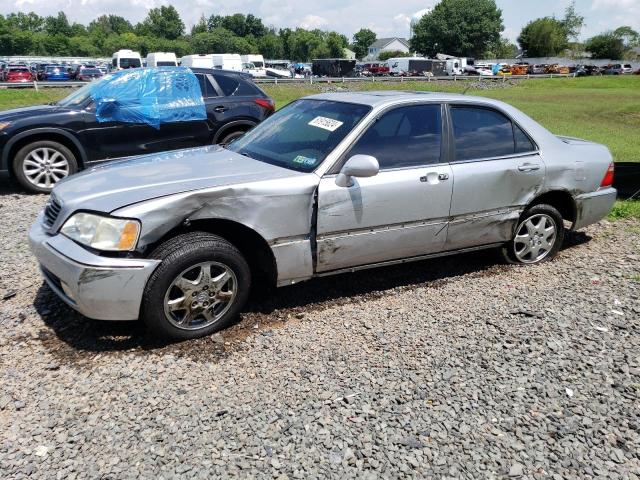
593 207
102 288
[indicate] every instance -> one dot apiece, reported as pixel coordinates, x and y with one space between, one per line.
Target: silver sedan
331 183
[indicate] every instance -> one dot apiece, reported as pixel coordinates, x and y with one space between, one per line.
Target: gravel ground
458 368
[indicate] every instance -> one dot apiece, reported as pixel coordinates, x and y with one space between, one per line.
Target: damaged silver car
331 183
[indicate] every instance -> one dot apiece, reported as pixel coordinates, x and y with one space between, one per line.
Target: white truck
123 59
162 59
227 61
254 64
197 61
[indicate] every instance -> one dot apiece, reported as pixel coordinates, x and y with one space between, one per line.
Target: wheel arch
251 244
39 134
561 200
235 125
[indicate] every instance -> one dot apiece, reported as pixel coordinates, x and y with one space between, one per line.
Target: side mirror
357 166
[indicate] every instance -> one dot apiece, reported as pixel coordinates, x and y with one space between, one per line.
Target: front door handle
528 167
220 109
431 177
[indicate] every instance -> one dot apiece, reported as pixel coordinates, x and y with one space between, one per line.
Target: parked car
41 145
615 69
18 75
627 68
331 183
87 73
55 73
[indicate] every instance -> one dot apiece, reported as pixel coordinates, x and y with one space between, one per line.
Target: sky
386 18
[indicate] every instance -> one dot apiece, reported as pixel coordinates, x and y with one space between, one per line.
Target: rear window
90 71
232 85
166 64
20 70
484 133
129 62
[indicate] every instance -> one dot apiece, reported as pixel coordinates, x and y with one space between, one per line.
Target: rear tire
38 166
199 288
230 137
538 236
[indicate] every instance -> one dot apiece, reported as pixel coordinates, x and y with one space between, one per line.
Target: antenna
464 92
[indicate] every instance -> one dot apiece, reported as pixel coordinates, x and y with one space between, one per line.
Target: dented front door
398 213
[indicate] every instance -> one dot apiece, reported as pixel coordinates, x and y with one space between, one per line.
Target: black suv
41 145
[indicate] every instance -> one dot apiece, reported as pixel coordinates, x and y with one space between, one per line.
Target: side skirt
407 260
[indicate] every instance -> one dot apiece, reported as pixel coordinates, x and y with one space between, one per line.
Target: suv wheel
38 166
230 137
199 288
538 237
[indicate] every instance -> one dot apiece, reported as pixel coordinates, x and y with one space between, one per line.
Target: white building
393 44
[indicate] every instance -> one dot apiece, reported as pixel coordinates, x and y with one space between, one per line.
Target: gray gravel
456 368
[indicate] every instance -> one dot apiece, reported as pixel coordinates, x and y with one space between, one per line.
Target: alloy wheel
535 238
200 295
44 167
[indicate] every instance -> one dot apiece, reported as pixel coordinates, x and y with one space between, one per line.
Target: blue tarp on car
149 95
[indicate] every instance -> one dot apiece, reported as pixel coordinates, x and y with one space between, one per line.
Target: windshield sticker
326 123
302 160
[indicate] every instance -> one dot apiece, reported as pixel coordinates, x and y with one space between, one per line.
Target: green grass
602 109
626 209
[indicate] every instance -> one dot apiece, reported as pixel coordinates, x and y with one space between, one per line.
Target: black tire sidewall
229 137
204 250
509 249
22 155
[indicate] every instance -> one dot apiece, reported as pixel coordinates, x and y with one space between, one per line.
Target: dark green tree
605 45
26 22
270 46
58 25
362 39
109 24
630 38
162 22
458 27
572 22
544 37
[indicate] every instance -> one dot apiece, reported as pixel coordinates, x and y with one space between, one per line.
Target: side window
246 88
403 137
227 83
481 133
523 143
205 86
114 62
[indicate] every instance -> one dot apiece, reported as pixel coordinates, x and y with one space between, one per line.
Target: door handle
441 176
528 167
220 109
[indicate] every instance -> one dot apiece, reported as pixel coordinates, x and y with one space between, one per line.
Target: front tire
230 137
199 288
38 166
538 236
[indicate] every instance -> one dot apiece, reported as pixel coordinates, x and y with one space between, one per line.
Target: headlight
4 125
102 233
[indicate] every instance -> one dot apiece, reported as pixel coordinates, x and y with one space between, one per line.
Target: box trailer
333 67
416 66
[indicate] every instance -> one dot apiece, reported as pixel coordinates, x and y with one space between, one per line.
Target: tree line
470 28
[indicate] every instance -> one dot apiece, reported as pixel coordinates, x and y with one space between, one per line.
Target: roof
383 42
383 97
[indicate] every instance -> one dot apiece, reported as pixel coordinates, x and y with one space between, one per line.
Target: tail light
607 181
266 103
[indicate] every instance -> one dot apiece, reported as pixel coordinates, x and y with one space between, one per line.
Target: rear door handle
528 167
220 109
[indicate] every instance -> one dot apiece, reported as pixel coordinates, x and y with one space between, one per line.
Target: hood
114 185
28 112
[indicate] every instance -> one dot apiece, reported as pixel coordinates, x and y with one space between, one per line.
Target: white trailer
162 59
197 61
125 59
227 61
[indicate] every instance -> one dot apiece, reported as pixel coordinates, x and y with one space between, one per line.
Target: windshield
302 134
81 95
129 62
258 64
